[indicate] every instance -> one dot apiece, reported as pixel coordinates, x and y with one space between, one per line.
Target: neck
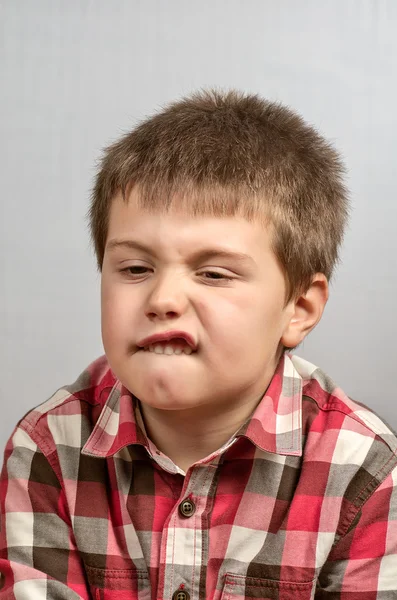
187 436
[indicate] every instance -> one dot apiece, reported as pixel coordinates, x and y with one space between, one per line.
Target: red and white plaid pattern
300 503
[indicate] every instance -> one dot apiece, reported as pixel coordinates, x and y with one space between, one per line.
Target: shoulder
68 416
357 448
335 408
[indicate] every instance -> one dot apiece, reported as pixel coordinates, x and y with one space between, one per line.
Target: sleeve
38 554
363 564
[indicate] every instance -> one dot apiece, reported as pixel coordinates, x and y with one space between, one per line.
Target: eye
216 276
134 270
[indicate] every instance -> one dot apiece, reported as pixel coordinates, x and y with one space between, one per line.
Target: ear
306 311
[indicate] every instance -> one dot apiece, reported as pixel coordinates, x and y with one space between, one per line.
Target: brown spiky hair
229 153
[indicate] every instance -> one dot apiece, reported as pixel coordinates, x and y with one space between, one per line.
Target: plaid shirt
300 503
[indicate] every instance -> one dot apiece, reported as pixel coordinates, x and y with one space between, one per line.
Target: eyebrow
203 254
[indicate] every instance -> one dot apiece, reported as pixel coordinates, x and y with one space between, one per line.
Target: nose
166 299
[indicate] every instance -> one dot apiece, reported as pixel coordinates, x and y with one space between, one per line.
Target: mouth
173 347
169 343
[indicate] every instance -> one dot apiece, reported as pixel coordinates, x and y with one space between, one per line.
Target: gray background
77 73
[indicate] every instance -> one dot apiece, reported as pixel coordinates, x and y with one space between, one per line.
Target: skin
234 309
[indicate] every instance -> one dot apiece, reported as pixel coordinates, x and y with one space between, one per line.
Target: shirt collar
275 426
116 426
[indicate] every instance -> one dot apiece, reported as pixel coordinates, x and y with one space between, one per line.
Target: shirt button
180 595
187 509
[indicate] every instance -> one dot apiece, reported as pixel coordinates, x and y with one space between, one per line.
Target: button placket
187 508
187 533
181 595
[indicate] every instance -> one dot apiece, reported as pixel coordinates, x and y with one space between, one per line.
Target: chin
164 397
166 403
169 405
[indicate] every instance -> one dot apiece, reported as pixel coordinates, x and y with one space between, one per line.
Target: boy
199 459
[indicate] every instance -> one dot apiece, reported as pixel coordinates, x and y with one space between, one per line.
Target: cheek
234 323
249 324
218 317
116 300
116 313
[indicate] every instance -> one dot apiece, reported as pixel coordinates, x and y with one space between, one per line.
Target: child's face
237 324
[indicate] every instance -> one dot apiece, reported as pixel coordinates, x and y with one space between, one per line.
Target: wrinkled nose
167 299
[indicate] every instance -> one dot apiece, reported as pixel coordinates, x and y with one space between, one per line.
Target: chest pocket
237 587
118 584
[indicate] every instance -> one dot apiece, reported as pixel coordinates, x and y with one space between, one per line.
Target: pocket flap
118 584
238 587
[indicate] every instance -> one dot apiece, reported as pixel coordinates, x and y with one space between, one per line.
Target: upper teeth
168 349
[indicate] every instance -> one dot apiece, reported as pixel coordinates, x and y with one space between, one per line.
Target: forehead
128 218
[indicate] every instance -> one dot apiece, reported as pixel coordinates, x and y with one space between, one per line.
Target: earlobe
306 311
